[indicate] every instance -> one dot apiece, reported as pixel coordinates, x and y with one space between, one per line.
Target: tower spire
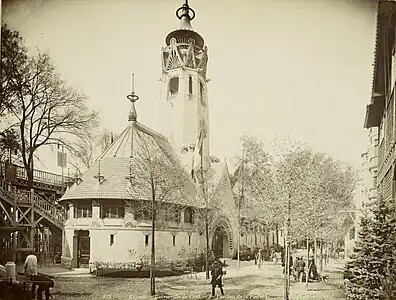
133 98
183 14
185 33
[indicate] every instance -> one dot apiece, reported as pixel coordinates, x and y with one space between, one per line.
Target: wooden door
83 248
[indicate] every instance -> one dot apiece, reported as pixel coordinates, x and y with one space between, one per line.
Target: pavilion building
108 217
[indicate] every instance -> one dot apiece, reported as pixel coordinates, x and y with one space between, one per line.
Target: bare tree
105 139
13 62
211 190
51 112
159 179
88 149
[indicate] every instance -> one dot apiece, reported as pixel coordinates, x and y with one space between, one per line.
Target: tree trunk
315 252
321 256
326 253
267 238
29 173
307 273
152 265
277 233
207 244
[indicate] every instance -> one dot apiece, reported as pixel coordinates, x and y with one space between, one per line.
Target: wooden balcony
40 178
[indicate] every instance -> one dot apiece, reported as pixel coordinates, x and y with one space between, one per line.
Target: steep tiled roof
108 177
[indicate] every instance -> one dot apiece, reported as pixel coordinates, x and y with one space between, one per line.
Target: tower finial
183 14
133 98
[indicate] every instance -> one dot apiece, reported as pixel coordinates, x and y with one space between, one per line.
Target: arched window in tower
190 85
173 86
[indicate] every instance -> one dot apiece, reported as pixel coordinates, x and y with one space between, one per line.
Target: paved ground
246 283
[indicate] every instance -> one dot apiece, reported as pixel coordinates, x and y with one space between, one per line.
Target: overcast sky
278 68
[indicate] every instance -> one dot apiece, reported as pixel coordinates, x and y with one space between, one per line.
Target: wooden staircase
51 214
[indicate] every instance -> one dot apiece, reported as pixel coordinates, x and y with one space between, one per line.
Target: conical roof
121 171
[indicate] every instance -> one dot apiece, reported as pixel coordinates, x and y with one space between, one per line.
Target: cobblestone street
246 283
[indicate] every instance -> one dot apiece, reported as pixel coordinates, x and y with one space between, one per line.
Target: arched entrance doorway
220 242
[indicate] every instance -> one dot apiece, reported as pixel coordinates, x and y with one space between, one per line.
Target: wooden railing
54 212
38 175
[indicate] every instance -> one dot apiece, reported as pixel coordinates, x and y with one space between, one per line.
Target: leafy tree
51 112
371 272
316 186
13 61
8 142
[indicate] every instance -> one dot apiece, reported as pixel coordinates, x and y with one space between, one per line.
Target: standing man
259 258
217 276
30 269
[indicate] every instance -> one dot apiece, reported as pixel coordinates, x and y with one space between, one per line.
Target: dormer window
173 86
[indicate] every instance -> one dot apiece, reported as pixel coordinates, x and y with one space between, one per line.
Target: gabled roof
109 176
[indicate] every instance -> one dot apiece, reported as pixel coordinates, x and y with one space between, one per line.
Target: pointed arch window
173 86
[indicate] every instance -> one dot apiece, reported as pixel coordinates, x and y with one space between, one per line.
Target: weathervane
133 98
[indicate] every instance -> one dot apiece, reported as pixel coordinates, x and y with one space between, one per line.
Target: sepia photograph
196 149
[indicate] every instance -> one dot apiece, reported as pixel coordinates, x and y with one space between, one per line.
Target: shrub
371 272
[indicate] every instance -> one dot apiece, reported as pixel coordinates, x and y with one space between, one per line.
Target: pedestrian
217 276
259 258
30 270
313 271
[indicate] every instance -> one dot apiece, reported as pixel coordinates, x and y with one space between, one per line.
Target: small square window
146 240
174 240
111 239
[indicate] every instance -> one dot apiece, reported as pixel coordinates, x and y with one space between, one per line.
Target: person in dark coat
217 276
313 271
299 267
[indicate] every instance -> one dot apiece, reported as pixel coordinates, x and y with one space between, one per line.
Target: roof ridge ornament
133 98
99 177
